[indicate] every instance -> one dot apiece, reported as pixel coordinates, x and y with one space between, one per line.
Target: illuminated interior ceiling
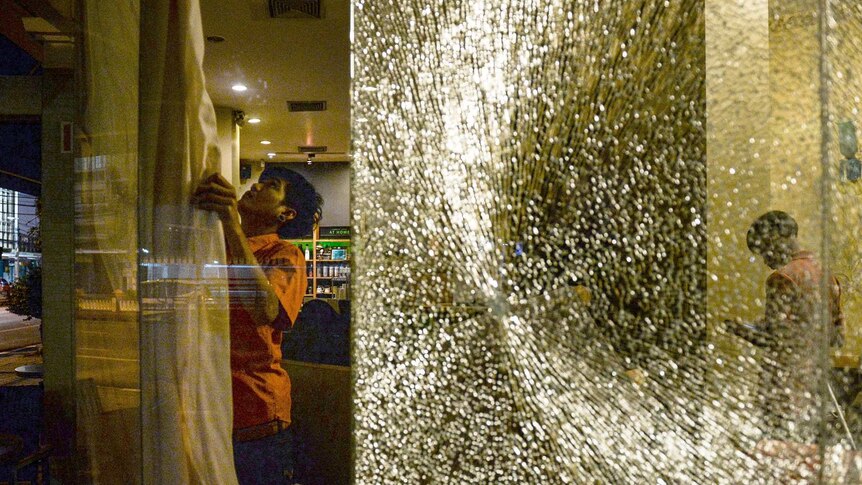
281 60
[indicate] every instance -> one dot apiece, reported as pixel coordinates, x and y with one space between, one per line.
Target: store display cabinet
327 262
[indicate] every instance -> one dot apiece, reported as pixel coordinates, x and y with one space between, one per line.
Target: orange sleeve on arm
285 269
780 297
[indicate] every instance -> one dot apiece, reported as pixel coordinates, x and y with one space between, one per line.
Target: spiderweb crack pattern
506 153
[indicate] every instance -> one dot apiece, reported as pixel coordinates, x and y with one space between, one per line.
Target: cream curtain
185 340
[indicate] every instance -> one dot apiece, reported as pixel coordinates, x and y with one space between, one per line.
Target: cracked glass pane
605 241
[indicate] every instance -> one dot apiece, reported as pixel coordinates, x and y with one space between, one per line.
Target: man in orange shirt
267 284
791 330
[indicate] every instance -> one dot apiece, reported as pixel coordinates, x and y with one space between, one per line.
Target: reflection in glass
107 352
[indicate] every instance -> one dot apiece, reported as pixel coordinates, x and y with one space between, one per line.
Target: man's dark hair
769 227
300 196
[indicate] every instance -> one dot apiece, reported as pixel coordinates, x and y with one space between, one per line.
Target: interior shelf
332 286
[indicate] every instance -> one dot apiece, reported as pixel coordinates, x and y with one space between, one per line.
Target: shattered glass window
609 242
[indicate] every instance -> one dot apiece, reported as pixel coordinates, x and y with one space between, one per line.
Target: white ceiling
281 60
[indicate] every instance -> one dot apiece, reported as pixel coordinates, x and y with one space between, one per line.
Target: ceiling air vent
311 149
306 105
293 9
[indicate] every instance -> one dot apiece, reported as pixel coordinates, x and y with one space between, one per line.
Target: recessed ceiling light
239 87
265 142
254 121
270 155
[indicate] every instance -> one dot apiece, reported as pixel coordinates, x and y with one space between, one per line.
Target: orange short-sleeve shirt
261 388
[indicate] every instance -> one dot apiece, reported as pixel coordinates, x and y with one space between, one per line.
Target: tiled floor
9 360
